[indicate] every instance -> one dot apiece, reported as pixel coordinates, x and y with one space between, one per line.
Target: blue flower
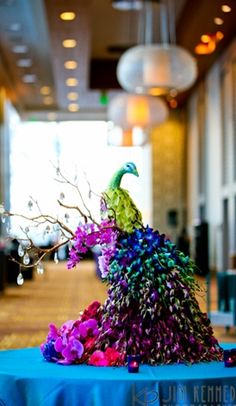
49 352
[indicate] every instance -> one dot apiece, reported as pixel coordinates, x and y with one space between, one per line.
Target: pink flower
108 358
112 356
98 359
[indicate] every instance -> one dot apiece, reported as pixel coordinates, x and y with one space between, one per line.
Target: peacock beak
135 172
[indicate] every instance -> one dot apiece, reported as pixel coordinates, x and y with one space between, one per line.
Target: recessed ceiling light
72 82
225 8
45 90
219 35
70 64
218 21
20 49
73 107
127 4
29 78
24 63
205 38
69 43
67 16
205 49
48 100
72 96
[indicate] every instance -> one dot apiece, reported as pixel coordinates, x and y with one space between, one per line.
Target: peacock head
130 167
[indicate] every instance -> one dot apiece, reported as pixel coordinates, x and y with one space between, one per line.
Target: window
80 150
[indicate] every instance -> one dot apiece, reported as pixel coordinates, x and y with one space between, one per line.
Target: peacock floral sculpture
151 308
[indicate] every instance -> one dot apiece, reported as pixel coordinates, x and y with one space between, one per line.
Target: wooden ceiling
32 56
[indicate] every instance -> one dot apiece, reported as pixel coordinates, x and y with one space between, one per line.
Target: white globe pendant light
156 69
132 117
130 110
135 137
160 67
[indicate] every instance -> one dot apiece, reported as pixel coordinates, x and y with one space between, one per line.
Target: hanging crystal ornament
20 279
67 217
26 259
2 209
40 269
3 217
2 213
70 245
21 251
46 231
157 68
8 228
30 204
56 260
62 196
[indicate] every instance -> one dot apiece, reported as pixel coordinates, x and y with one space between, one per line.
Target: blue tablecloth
27 380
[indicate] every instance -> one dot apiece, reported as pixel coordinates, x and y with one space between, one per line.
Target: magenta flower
59 346
75 340
66 327
74 258
88 327
90 235
98 359
72 352
53 332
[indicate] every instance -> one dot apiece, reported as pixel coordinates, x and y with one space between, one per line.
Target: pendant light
157 68
132 117
130 110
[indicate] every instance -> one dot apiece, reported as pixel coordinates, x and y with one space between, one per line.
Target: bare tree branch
65 180
64 233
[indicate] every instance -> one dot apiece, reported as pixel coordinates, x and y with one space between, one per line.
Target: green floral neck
116 180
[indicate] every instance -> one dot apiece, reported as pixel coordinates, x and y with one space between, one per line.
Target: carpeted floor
59 295
56 296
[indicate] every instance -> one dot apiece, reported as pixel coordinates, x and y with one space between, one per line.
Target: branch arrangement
31 254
